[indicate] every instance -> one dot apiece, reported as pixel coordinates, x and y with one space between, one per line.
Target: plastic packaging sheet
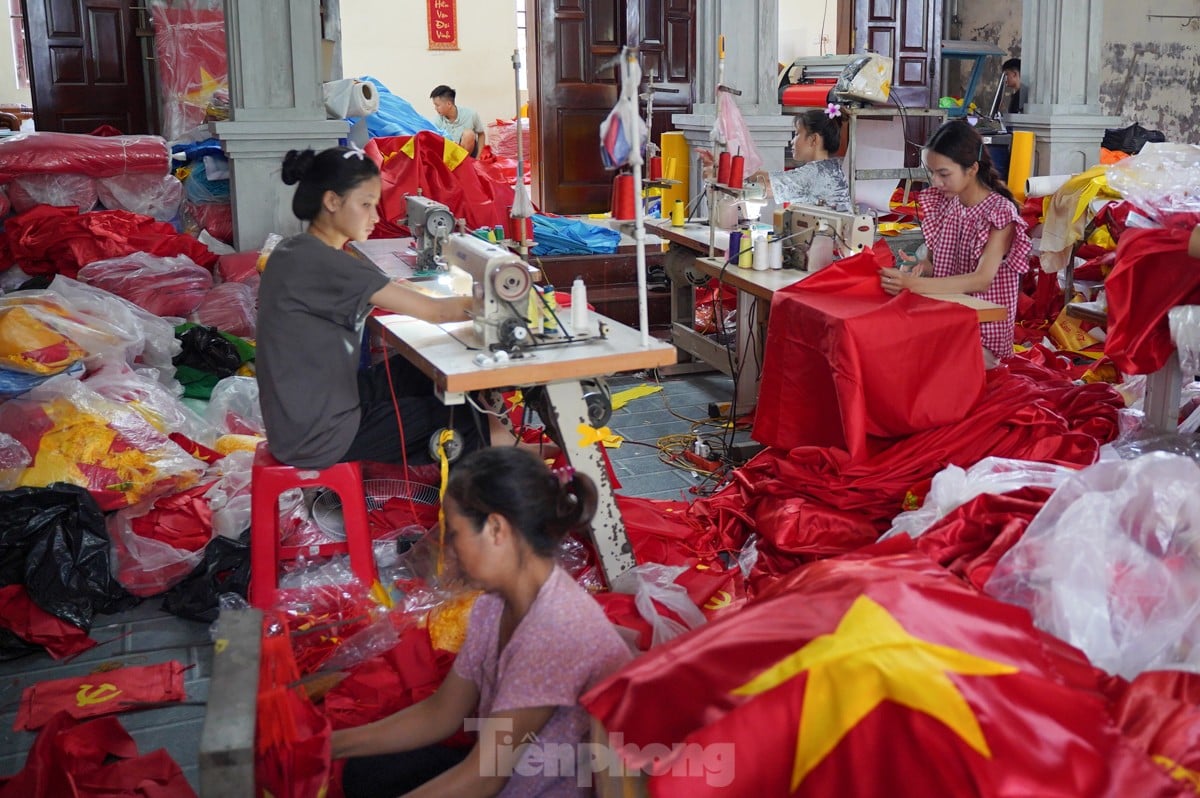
656 588
230 307
953 487
1112 564
157 196
1163 180
62 191
189 43
1184 321
161 408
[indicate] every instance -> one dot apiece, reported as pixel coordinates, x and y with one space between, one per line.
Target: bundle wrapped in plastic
156 544
233 408
77 436
32 346
47 153
1163 181
502 137
61 191
229 307
155 344
156 196
14 458
165 286
1111 564
189 43
92 335
215 217
161 408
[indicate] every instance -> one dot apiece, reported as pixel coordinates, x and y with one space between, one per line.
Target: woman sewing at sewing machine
535 642
819 178
317 406
976 239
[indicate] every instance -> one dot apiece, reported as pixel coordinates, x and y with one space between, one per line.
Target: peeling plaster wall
994 21
1151 68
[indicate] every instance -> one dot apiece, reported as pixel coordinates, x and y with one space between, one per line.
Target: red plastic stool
269 479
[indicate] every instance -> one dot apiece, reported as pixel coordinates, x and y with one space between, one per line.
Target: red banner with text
443 24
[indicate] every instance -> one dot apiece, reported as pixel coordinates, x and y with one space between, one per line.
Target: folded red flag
878 677
97 759
31 623
122 690
845 362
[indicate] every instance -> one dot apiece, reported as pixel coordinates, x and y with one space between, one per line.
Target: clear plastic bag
1163 180
14 458
151 339
953 487
161 408
656 586
75 435
165 286
63 191
233 407
95 336
1111 564
146 566
731 132
1185 332
157 196
230 307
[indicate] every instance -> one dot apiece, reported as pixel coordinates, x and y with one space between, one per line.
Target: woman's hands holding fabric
893 281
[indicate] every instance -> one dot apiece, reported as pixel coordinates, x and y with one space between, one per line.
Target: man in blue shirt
458 124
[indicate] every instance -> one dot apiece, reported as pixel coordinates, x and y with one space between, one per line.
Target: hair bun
296 164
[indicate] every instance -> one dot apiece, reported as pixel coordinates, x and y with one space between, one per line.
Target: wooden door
574 83
909 32
85 65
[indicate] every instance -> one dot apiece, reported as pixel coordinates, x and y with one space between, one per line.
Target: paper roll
1044 185
349 98
1020 163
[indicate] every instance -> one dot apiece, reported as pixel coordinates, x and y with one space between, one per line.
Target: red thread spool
515 223
723 167
736 167
622 197
656 168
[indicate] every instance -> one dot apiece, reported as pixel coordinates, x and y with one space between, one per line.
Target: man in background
459 124
1012 79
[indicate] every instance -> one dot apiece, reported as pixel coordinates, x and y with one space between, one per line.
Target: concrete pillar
275 78
1060 62
751 33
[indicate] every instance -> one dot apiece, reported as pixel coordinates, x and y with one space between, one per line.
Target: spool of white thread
761 264
775 253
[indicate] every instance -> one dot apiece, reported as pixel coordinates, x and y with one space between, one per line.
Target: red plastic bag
77 154
154 547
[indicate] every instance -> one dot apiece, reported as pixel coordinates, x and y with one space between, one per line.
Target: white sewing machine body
849 233
501 282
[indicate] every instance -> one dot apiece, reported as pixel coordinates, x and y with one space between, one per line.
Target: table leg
748 351
568 410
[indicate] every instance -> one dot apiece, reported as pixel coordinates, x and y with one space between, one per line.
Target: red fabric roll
78 154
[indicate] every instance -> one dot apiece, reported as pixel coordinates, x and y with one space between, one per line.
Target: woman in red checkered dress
977 242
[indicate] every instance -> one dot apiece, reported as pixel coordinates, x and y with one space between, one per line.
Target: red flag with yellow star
189 42
880 677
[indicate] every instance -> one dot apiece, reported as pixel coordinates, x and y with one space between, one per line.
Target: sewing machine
431 223
501 282
802 224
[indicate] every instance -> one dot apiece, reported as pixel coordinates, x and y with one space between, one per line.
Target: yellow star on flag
868 659
201 94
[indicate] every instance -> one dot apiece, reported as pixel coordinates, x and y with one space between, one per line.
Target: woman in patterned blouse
976 239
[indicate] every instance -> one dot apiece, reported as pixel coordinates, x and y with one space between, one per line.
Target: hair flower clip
564 474
833 110
353 151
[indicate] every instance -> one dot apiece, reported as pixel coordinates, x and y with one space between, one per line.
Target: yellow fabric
1102 238
1020 163
1067 215
22 333
590 436
444 462
868 659
448 621
236 443
622 398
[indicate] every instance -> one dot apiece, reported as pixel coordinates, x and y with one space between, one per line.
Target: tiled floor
145 635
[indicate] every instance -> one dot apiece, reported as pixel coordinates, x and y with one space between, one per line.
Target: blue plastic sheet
15 383
557 235
396 115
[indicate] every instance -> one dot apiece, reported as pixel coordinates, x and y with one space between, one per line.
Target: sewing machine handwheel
512 282
454 446
598 399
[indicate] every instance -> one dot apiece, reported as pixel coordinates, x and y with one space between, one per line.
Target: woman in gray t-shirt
318 406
